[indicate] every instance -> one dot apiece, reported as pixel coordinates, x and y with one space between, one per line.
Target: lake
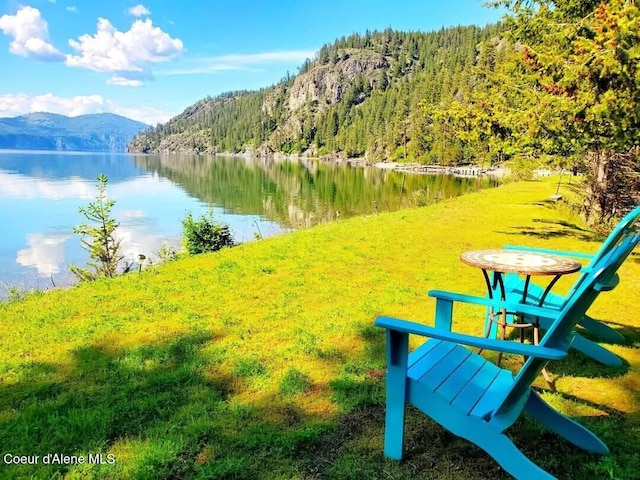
41 192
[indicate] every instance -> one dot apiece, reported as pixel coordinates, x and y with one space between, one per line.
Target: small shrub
522 168
167 253
205 234
14 294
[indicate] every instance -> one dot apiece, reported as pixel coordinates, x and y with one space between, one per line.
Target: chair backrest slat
629 225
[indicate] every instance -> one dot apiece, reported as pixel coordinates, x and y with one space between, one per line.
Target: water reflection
45 252
304 192
40 193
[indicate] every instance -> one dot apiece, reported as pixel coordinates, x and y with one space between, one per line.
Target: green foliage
103 247
205 234
522 167
167 253
576 74
558 78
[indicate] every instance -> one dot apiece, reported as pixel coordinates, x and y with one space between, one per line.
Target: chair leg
591 348
600 329
397 352
510 457
394 432
565 427
595 351
487 436
498 445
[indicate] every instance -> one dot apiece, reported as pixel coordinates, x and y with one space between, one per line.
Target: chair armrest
510 306
504 346
550 251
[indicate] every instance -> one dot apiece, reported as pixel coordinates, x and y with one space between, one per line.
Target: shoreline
415 168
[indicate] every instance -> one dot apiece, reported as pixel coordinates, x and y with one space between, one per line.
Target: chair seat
463 379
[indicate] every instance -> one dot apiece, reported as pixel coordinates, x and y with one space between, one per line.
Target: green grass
262 362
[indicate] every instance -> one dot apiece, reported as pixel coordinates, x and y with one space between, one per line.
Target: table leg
536 328
503 330
492 313
525 291
548 289
499 281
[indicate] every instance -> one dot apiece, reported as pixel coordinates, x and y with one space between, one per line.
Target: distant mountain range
101 132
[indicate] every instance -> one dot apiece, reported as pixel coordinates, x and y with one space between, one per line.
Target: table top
522 262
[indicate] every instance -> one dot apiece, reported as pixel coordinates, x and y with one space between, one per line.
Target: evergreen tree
103 247
578 68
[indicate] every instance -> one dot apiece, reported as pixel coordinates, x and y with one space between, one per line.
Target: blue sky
151 60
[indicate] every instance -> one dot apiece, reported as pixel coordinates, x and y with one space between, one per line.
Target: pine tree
103 247
578 68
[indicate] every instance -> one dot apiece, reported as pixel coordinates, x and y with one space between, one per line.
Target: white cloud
128 55
124 82
139 234
148 115
30 34
13 185
139 10
246 62
44 252
20 104
130 215
72 8
12 105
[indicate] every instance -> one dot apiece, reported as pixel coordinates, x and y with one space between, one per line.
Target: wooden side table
501 261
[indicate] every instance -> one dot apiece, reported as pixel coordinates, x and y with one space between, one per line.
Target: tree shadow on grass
164 410
555 228
168 410
355 448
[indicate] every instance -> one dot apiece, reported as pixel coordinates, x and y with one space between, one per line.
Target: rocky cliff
364 95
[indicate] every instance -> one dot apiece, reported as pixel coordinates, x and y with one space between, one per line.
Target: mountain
101 132
363 95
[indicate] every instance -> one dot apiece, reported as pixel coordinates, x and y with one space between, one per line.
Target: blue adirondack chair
514 286
474 398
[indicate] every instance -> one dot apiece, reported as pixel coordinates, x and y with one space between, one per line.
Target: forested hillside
365 95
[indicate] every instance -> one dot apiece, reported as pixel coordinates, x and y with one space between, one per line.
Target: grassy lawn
261 361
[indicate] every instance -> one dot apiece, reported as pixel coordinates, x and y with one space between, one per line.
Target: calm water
40 193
